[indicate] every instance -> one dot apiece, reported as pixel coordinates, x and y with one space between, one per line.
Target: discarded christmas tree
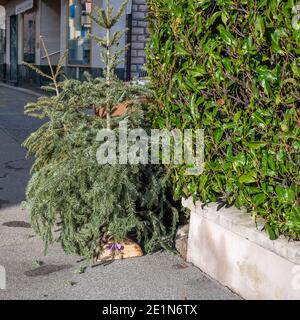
73 199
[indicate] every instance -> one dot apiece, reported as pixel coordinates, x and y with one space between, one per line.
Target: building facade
2 41
139 37
65 25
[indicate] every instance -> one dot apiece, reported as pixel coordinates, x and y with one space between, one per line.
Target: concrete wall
50 29
96 62
227 245
2 17
2 42
63 26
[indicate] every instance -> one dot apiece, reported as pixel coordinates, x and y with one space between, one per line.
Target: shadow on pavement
15 127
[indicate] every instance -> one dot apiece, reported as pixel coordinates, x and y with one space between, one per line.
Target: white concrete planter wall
228 246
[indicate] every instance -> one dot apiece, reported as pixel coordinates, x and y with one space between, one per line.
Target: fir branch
54 77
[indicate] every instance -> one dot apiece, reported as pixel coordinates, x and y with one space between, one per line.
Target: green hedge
233 68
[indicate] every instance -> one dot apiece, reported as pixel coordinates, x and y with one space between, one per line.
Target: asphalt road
159 276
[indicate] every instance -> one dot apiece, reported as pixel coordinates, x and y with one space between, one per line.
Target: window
79 27
29 36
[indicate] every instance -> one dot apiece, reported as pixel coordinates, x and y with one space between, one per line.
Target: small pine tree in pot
96 206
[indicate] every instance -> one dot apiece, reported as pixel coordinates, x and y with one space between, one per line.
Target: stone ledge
241 223
227 245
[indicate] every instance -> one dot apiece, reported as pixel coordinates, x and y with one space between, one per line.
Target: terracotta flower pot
120 108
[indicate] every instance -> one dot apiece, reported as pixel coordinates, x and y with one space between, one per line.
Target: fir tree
111 59
90 202
54 75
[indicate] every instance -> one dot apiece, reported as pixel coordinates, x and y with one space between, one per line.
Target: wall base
228 246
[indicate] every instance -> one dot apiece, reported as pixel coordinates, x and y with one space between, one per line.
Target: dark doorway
13 48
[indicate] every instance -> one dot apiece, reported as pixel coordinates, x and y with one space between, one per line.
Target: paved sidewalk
158 276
